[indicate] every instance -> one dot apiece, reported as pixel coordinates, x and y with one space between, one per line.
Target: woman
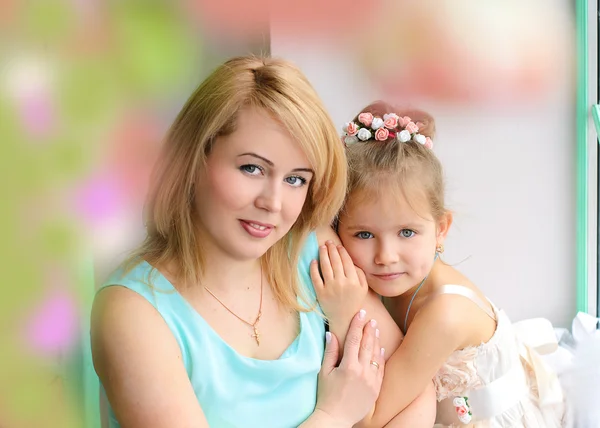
212 321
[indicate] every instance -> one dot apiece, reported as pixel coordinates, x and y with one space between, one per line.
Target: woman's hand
347 393
342 288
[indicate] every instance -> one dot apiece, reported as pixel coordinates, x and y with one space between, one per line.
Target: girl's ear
443 227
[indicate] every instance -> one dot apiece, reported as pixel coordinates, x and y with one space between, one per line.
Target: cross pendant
256 335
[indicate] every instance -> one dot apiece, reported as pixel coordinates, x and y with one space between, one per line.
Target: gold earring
439 248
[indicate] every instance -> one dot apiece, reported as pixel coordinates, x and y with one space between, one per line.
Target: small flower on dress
365 118
462 409
377 123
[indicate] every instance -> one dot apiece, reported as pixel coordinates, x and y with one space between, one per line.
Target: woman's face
254 187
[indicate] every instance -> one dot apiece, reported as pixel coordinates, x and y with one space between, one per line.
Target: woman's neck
226 275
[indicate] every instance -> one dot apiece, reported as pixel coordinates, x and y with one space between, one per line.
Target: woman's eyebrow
270 163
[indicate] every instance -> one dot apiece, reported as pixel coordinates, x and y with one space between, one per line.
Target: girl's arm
438 329
352 300
342 292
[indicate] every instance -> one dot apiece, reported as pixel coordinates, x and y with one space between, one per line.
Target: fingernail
314 262
373 323
377 333
323 247
361 314
327 337
329 241
382 352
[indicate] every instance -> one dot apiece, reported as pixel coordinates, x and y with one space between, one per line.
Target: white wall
510 181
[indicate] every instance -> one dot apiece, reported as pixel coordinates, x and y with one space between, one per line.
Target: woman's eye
296 181
407 233
251 169
364 235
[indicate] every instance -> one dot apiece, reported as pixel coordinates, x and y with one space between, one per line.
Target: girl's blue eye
296 181
407 233
364 235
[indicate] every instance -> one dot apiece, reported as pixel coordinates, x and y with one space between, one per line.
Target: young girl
393 226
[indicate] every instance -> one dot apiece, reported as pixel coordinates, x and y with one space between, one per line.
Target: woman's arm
347 392
390 334
139 364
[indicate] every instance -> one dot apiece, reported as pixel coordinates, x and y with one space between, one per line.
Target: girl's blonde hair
280 89
410 167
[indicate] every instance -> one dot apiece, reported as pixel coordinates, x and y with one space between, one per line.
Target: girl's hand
347 393
342 289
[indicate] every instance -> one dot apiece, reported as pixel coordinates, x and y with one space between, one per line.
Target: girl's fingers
347 263
335 259
315 276
326 268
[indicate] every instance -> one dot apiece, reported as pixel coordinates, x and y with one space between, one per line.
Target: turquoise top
234 390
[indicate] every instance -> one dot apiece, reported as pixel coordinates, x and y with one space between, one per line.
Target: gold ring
375 363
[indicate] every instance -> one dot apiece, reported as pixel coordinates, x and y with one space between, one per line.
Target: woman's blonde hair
280 89
410 168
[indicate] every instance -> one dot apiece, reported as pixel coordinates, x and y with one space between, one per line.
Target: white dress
503 383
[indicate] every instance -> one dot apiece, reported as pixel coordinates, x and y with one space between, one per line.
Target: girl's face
391 242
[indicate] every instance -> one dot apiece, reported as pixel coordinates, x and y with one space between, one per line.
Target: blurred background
88 89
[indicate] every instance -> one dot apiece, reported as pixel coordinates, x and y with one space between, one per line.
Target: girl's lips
389 276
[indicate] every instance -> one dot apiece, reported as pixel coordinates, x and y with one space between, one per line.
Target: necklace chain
256 334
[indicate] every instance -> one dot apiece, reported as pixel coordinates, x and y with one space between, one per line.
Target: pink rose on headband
351 128
403 121
391 122
382 134
365 118
411 127
428 143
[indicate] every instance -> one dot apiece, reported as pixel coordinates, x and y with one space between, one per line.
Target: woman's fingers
332 351
354 338
367 345
378 357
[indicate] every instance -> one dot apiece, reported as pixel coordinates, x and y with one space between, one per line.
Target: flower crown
371 127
